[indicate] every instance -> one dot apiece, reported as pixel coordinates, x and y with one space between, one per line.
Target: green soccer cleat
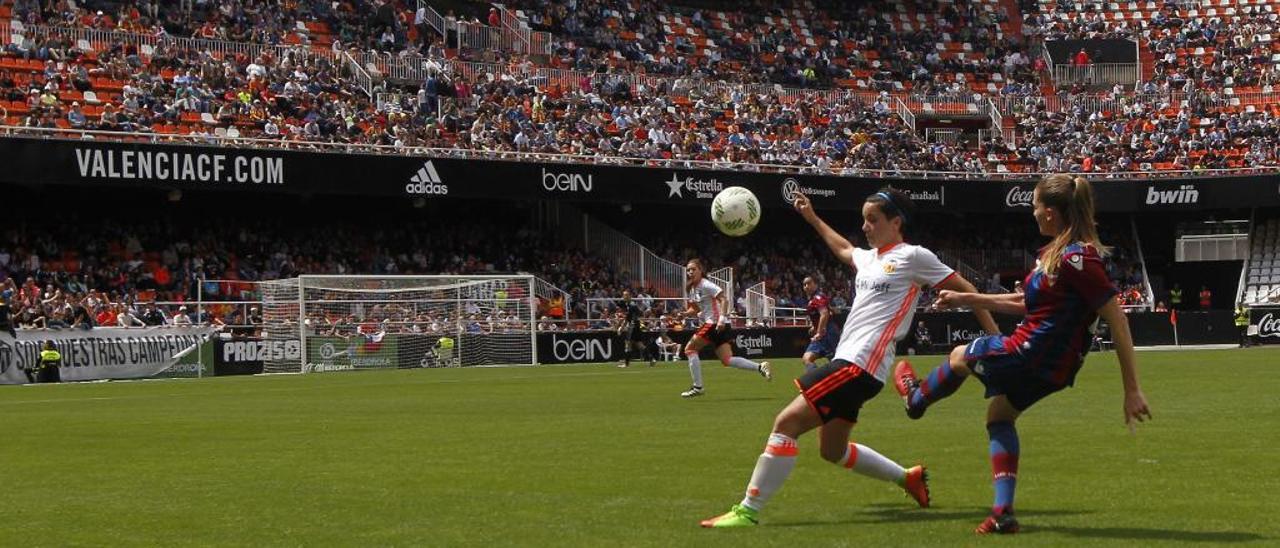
737 516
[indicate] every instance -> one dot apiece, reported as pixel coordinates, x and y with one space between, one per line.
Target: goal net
373 322
760 306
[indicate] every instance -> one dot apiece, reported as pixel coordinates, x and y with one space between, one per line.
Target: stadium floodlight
369 322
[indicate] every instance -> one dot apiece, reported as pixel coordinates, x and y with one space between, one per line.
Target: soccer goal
374 322
760 306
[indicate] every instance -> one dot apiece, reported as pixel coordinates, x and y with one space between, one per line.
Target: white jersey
888 286
704 296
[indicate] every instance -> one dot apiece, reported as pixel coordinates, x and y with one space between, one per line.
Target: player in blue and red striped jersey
1064 296
824 332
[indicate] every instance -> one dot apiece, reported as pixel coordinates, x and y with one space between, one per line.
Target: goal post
376 322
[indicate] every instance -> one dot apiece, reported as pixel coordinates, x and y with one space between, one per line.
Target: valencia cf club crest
889 268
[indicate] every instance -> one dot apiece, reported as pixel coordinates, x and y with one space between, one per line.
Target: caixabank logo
426 182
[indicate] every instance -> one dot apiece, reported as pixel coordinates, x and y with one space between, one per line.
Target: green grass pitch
596 456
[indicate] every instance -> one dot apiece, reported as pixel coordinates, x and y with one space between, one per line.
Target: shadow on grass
889 513
1139 533
709 401
903 513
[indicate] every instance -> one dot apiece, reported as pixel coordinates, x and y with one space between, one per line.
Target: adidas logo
426 181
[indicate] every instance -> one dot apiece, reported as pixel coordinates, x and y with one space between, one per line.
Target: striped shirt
887 288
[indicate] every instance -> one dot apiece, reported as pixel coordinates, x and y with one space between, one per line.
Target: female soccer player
889 278
711 305
1064 296
823 330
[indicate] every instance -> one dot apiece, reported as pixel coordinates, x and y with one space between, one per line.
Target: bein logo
566 182
582 350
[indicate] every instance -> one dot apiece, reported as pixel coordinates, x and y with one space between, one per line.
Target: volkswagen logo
790 187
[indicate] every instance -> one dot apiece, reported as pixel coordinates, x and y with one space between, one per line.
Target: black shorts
715 337
1007 374
635 334
838 389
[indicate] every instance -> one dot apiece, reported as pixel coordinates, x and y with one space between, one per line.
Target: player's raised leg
725 353
837 449
942 381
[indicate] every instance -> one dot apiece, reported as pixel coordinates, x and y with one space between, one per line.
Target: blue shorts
1006 373
824 347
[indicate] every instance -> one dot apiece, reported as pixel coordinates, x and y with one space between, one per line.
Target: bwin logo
427 181
1186 194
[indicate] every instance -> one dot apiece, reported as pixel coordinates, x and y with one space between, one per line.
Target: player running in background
889 278
631 332
824 332
1064 295
711 305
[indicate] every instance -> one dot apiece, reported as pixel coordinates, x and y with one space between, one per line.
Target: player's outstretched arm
958 283
838 244
1135 403
1003 303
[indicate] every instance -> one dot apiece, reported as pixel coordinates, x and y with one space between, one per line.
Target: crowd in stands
56 274
301 98
796 43
49 267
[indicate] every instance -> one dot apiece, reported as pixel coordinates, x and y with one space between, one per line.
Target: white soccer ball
735 211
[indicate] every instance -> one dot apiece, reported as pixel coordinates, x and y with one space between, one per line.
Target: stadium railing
515 156
1096 74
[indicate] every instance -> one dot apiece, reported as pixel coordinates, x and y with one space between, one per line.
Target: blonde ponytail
1072 198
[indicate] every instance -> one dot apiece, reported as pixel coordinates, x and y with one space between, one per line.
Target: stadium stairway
1262 276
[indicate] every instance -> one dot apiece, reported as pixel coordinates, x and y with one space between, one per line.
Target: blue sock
940 383
1004 464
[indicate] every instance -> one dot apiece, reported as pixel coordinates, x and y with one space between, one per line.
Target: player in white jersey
711 305
889 278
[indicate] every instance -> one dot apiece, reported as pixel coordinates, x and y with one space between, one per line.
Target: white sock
866 461
772 469
695 369
743 363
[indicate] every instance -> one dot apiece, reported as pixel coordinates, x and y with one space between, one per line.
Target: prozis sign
259 351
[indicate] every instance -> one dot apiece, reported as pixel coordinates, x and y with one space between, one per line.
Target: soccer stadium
590 272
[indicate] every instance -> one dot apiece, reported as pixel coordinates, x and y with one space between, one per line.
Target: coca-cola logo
1017 197
1269 326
